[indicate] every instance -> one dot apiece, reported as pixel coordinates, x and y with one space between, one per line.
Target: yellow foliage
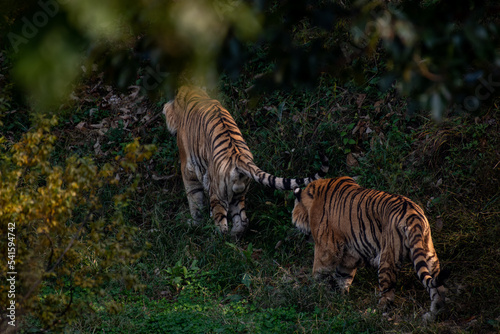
63 236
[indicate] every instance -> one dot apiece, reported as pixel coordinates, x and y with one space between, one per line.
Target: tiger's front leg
346 270
387 275
326 258
238 217
344 277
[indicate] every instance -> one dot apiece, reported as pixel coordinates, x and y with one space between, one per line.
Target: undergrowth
196 281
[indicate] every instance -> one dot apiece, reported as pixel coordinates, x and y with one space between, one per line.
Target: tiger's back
210 141
352 226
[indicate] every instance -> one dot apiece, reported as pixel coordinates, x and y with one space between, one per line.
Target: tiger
352 226
216 159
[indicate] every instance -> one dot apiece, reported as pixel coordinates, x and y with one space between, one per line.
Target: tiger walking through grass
216 159
352 226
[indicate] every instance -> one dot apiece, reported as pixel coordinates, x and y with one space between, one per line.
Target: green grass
199 312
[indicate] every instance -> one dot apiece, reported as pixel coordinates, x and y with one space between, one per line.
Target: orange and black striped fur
215 159
352 226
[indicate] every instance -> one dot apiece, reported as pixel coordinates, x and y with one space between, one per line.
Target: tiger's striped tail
251 170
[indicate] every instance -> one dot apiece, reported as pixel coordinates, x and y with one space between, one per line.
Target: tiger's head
300 214
174 109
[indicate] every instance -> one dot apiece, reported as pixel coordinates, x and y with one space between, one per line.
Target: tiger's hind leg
195 195
437 303
238 217
437 293
219 213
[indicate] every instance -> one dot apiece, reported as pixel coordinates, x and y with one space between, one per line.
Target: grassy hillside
196 281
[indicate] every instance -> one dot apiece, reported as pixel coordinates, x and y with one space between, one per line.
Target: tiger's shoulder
188 101
321 187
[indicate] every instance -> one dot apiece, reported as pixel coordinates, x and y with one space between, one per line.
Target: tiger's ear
171 117
297 192
182 95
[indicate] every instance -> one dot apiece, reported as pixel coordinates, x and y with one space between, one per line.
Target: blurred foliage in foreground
441 53
57 230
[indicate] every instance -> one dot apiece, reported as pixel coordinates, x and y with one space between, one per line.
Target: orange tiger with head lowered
215 159
352 226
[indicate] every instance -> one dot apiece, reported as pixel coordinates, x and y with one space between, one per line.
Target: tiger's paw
193 222
238 234
385 304
223 229
428 317
438 308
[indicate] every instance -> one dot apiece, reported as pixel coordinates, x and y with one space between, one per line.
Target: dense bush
63 243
